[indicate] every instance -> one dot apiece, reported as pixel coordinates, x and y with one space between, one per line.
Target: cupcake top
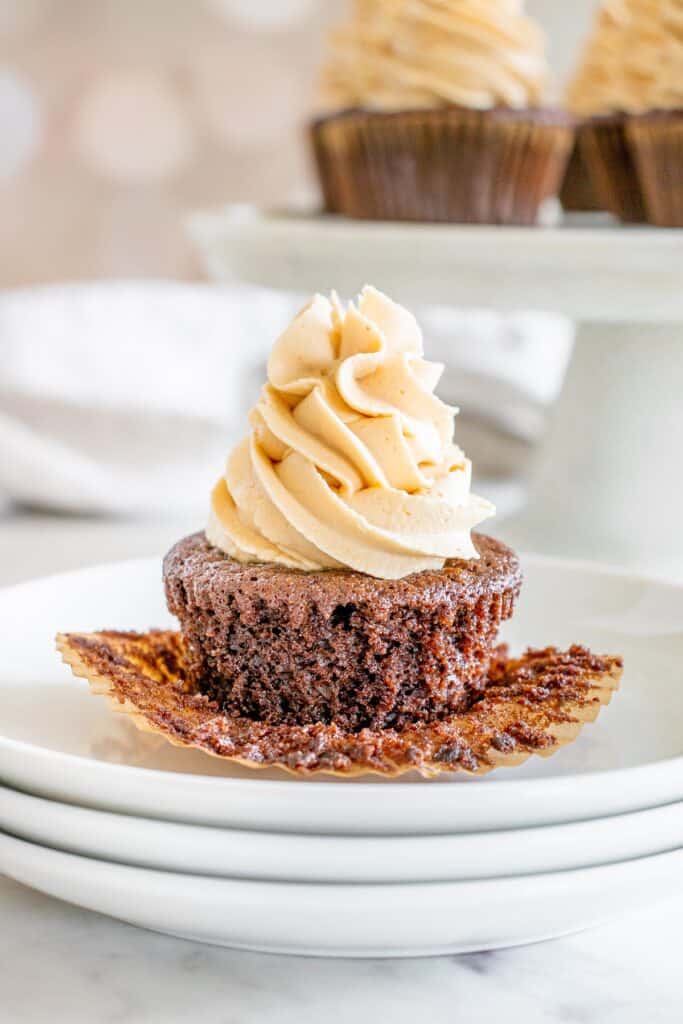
350 462
633 60
403 54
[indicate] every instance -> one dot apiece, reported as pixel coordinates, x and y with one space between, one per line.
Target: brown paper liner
448 164
578 193
534 704
656 141
326 171
607 152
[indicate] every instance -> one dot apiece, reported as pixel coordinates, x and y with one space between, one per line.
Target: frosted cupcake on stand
434 110
629 87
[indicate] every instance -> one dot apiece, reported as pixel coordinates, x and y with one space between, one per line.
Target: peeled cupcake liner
533 705
445 164
656 143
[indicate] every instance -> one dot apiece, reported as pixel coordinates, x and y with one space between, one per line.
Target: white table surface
63 965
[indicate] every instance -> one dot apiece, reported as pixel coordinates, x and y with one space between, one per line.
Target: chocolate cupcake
433 113
338 580
339 614
629 89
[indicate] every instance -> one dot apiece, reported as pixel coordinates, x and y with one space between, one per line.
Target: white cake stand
608 481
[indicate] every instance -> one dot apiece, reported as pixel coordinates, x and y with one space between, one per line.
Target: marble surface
63 965
68 966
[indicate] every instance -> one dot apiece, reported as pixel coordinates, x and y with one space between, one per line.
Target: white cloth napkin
125 397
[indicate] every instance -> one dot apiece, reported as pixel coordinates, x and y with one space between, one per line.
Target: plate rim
387 887
37 802
197 908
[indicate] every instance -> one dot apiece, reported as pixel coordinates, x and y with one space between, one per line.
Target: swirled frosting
633 60
401 54
350 461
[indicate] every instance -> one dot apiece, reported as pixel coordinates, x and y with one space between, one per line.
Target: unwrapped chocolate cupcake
339 614
434 111
629 87
338 514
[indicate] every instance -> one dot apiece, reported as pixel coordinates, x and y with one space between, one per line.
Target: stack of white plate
94 812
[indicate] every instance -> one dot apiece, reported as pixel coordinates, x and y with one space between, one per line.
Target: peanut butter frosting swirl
633 61
402 54
350 461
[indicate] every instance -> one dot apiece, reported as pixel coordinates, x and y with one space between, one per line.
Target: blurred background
118 116
124 377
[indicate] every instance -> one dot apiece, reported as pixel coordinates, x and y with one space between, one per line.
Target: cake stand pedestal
608 480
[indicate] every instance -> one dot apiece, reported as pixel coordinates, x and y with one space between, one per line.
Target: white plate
271 856
57 740
345 920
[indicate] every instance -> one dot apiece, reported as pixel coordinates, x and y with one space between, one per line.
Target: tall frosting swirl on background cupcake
633 61
350 461
401 54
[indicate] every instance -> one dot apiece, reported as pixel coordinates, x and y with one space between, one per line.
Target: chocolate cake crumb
282 646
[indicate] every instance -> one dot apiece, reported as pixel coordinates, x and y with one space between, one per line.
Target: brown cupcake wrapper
449 164
578 193
326 172
532 705
607 152
656 142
